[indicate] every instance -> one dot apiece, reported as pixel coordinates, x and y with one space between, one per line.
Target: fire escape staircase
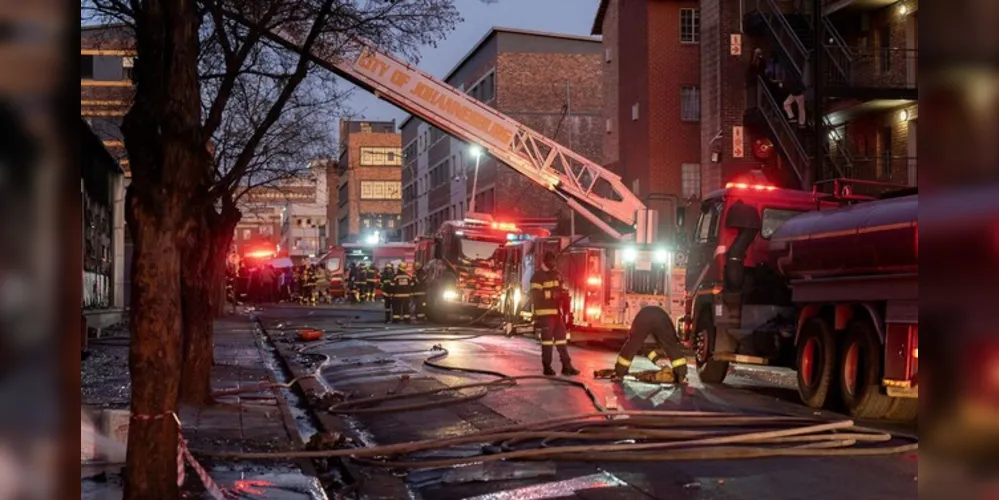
792 37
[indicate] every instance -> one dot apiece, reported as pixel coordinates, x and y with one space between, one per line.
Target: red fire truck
824 283
338 258
467 262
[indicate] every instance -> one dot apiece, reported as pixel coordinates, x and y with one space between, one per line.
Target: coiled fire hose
623 436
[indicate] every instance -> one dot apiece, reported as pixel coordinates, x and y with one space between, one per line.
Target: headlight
450 295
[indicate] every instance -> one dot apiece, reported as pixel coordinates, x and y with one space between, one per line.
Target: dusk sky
560 16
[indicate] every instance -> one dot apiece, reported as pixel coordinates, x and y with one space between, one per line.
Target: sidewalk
257 421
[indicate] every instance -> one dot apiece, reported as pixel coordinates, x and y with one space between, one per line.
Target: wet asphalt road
373 368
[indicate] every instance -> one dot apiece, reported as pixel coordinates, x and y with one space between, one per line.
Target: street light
476 152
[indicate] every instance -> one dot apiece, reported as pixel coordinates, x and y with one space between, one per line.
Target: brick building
867 90
369 188
549 82
652 98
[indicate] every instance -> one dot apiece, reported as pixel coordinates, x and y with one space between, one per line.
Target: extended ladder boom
574 178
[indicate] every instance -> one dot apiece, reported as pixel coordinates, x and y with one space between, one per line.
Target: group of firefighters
404 294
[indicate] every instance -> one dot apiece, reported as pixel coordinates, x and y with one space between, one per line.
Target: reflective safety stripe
387 295
547 342
400 295
546 312
652 355
550 284
419 293
678 362
561 342
623 361
395 316
536 286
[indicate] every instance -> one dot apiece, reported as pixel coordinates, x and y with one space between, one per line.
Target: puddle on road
305 422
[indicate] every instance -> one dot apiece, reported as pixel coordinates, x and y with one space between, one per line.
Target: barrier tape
183 453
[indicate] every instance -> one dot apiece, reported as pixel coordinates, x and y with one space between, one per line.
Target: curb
378 483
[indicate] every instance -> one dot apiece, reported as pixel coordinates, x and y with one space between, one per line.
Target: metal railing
894 169
782 32
880 68
837 149
784 132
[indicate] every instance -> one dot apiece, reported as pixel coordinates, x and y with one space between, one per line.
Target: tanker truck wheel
816 362
859 373
709 370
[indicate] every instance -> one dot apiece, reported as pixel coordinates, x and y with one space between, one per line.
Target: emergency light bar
754 187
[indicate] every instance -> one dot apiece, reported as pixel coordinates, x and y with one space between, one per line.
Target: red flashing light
594 281
753 187
260 254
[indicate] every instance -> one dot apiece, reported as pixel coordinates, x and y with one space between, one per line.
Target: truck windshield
773 219
707 225
478 249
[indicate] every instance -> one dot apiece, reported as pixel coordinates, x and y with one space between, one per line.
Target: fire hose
626 436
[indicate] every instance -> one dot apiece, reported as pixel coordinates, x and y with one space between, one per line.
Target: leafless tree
206 82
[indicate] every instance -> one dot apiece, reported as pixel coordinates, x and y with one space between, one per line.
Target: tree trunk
154 351
196 290
203 271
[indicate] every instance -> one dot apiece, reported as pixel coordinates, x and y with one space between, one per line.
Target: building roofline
598 20
501 29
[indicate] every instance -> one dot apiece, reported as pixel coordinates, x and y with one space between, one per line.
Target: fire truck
824 282
816 291
468 262
338 258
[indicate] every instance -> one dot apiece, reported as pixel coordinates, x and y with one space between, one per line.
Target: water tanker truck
823 283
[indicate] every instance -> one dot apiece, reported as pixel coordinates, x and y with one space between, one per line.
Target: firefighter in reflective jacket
402 284
420 291
546 295
387 290
371 280
668 354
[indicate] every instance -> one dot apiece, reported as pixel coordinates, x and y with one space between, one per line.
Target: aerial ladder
585 186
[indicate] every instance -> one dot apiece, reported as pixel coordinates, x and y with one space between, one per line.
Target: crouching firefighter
668 353
546 295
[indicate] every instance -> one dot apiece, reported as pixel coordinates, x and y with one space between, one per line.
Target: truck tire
709 370
816 362
903 410
860 373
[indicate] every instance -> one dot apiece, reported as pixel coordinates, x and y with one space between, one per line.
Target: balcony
888 73
830 6
891 169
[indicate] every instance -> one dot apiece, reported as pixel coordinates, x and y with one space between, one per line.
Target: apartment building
369 176
652 99
547 81
865 93
107 56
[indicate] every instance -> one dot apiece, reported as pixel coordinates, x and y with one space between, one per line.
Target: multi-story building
865 92
107 56
289 215
652 99
369 191
549 82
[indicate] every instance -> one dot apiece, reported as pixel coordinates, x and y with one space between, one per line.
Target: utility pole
817 64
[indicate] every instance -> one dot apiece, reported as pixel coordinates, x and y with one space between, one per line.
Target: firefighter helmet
417 266
402 267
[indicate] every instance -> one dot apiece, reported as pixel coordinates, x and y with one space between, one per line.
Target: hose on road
624 436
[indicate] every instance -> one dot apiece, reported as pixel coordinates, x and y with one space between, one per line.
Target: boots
563 356
546 360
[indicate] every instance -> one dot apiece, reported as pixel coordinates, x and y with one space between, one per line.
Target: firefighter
362 281
668 354
313 281
371 280
352 278
387 290
546 295
402 284
420 291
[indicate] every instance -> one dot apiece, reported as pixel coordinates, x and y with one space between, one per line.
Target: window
691 177
86 66
128 68
707 225
634 112
381 156
773 219
690 103
381 190
690 25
